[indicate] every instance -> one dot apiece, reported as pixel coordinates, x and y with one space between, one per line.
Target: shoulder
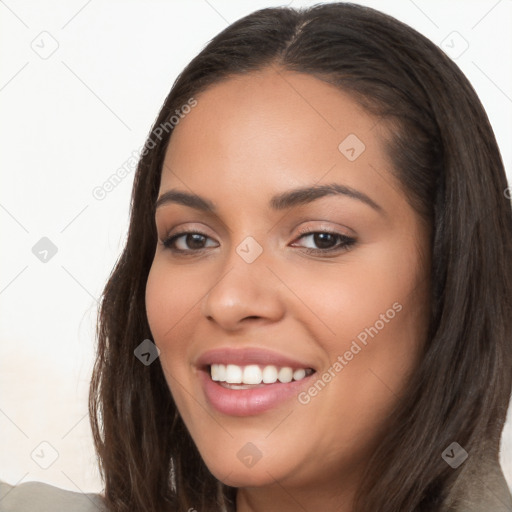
40 497
488 491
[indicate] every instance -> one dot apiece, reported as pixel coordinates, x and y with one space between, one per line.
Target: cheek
378 329
159 302
371 312
170 297
348 298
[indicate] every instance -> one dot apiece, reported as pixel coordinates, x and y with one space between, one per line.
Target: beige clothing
39 497
492 496
489 491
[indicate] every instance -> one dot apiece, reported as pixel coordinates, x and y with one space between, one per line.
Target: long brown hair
448 163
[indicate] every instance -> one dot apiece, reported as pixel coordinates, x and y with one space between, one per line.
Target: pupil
195 241
323 240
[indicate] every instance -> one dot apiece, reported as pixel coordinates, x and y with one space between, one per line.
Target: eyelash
167 243
345 244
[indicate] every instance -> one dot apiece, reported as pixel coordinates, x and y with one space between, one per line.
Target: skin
249 138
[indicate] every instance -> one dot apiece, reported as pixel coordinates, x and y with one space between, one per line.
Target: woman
320 249
337 170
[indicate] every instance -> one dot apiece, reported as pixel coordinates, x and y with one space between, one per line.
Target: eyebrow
283 201
186 199
306 195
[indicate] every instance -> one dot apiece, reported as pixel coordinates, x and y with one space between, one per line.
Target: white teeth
221 372
218 372
299 374
285 375
254 374
233 374
269 374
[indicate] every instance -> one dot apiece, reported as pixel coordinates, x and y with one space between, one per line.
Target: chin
231 469
248 477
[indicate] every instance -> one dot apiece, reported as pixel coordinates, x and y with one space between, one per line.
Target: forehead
270 130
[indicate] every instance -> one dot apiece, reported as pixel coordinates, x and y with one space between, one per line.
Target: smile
247 382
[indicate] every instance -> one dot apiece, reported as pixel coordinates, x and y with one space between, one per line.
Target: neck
337 496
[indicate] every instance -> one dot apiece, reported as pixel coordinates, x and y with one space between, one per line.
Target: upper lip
247 356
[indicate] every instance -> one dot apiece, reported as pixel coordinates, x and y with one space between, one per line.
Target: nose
245 293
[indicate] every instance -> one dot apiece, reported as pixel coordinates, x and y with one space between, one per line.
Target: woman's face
306 265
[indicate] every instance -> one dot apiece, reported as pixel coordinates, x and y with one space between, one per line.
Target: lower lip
249 402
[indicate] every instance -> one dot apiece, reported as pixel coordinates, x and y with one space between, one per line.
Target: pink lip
248 402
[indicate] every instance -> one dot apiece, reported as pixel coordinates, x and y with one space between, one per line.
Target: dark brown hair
446 158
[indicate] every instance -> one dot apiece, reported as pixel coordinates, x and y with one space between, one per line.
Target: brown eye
325 241
195 241
188 242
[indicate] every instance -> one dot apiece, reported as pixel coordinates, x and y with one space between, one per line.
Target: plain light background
81 83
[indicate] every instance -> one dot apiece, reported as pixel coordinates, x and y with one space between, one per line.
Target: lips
246 382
